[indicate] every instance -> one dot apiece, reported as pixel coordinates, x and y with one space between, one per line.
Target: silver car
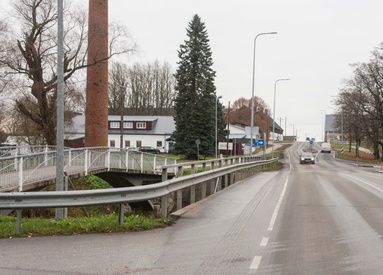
306 157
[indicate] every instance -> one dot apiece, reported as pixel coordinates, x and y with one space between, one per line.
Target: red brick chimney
96 115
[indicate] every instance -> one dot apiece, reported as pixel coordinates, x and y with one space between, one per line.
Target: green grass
73 226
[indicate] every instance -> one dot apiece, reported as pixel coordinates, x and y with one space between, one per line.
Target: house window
114 125
127 143
138 143
141 125
128 125
159 143
112 143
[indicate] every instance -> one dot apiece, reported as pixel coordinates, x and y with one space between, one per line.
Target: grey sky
316 42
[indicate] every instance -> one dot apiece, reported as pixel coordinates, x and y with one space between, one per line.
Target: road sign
311 142
259 142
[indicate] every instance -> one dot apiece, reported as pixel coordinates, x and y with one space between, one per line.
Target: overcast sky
316 42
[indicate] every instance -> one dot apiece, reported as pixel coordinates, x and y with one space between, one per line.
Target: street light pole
252 91
216 125
275 90
59 212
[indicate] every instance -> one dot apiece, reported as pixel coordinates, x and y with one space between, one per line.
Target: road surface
324 218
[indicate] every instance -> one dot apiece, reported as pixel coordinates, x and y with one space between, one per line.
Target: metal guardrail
19 170
59 199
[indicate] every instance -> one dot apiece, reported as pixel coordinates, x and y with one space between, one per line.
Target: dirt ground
363 157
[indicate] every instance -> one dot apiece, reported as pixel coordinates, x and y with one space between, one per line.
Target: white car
325 147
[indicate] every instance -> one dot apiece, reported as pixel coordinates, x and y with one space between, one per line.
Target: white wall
146 140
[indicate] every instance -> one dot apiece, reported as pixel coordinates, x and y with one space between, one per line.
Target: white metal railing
19 170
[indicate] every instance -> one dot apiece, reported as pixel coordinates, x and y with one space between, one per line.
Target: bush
96 183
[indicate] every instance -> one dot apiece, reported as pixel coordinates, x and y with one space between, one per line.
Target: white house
136 131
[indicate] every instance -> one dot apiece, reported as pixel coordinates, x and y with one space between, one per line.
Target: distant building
332 132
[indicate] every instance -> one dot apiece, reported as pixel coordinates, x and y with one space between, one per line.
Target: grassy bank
32 227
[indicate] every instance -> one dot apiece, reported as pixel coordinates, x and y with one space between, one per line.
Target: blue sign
277 140
259 142
311 142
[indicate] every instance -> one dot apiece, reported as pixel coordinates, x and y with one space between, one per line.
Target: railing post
21 168
142 162
16 164
164 174
193 170
154 164
108 162
46 158
86 162
70 157
127 160
180 171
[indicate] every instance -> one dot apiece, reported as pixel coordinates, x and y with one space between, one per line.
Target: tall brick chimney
96 115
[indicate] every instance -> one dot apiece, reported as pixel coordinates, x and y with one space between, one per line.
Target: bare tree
259 104
28 58
148 89
361 102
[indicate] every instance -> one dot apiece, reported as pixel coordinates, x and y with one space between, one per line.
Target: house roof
162 125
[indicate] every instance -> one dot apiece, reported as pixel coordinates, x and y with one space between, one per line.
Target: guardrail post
212 186
179 199
203 190
218 185
18 220
192 188
121 213
164 206
154 164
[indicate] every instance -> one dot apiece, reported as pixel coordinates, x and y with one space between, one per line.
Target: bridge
21 172
23 169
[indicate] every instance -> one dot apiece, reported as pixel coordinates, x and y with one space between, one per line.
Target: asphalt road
324 218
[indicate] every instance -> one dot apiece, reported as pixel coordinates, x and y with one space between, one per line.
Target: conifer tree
196 98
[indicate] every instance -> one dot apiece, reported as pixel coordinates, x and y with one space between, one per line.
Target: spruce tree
196 98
